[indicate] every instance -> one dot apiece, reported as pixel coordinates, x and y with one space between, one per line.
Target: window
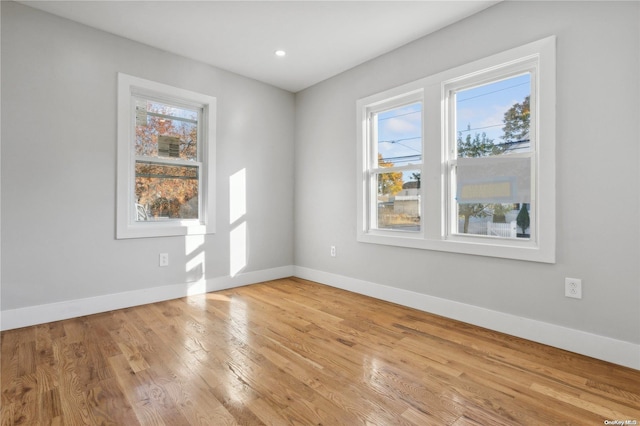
464 161
166 149
393 168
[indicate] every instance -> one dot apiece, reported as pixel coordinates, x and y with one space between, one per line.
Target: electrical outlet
164 259
333 251
573 288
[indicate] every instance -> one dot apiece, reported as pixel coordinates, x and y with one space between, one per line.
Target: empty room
320 212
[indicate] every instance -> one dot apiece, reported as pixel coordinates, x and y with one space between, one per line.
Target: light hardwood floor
295 352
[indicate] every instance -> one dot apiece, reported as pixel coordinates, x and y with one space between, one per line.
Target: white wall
59 166
598 50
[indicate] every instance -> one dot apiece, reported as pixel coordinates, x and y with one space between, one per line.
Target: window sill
162 229
526 250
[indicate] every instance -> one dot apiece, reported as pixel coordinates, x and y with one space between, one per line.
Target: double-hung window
394 161
464 161
165 160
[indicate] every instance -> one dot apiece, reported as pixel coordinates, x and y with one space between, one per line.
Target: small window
165 160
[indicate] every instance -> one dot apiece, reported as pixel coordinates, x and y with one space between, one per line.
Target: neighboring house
517 147
407 201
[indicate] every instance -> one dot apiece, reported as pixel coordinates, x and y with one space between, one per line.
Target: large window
464 161
165 160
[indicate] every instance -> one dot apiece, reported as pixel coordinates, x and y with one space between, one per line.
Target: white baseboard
32 315
593 345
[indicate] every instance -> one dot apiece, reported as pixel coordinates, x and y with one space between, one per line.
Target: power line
400 140
397 142
400 115
489 93
411 148
480 128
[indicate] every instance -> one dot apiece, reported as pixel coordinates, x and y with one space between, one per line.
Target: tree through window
167 167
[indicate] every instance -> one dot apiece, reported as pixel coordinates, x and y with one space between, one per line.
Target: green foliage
500 211
478 146
516 121
523 218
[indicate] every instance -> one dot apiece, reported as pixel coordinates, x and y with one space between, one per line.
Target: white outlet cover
573 288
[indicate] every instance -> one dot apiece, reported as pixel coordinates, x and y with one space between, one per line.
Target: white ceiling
321 38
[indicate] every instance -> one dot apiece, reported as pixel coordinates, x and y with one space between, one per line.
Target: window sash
186 204
402 209
137 97
201 139
372 166
527 65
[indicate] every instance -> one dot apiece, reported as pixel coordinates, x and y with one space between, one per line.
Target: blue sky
482 108
400 134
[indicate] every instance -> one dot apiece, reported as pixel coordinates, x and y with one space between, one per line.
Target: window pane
493 119
163 130
399 135
495 219
492 122
166 191
399 200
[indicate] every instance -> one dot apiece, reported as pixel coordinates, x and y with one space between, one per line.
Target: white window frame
370 159
127 226
525 65
438 138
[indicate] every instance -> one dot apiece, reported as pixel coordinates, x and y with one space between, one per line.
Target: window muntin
166 154
491 164
395 158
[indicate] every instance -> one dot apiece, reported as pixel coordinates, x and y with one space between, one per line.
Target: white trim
33 315
581 342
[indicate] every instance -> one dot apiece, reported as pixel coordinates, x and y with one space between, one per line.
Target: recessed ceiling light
280 53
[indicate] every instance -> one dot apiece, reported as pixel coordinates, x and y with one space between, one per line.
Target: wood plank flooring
293 352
